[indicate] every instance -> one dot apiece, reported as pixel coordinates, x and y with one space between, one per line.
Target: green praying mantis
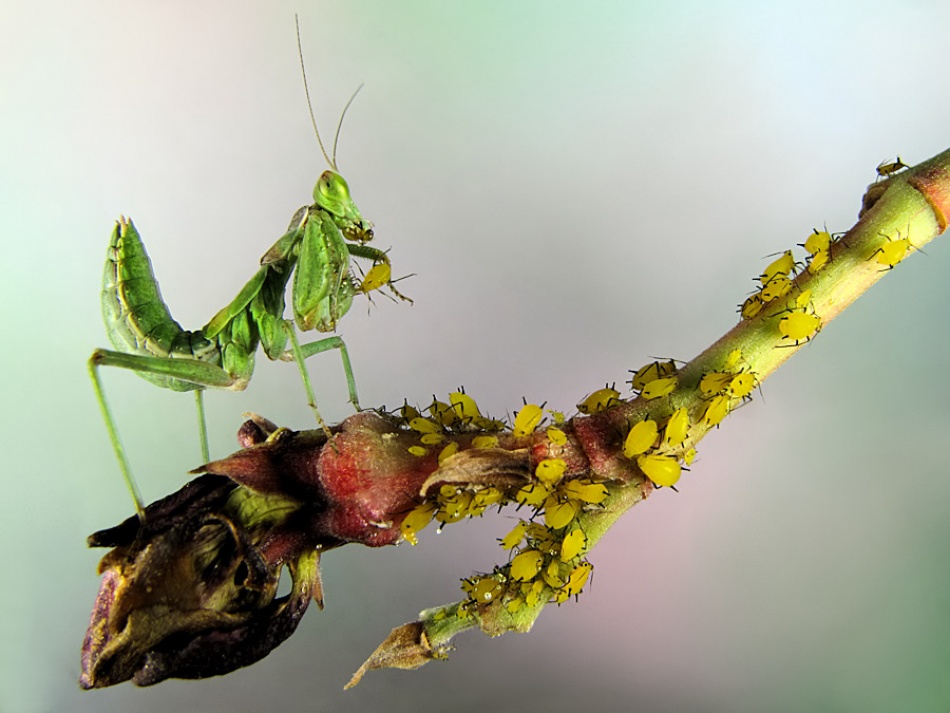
317 248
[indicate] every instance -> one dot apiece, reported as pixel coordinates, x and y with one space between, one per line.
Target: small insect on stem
801 323
885 169
318 251
894 250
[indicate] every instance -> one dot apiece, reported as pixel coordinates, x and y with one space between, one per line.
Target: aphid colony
661 447
546 562
800 322
547 548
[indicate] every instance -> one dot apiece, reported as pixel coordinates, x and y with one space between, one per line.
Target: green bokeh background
577 186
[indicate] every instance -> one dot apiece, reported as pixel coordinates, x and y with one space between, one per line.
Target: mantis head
332 194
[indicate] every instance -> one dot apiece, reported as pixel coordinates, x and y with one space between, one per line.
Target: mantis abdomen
136 317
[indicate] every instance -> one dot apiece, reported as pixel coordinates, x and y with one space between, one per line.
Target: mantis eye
332 192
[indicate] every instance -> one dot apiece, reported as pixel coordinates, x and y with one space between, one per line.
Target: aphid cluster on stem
774 282
656 379
547 546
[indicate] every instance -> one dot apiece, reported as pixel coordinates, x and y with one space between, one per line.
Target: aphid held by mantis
319 244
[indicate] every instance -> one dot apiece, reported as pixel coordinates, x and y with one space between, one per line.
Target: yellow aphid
424 425
715 382
733 360
416 520
781 266
483 590
464 406
430 439
803 299
485 442
511 540
577 579
818 241
641 438
543 538
741 385
418 451
378 275
449 451
532 494
751 307
599 401
778 286
893 251
550 470
651 372
525 567
489 424
559 418
559 514
799 326
552 575
585 491
409 412
573 544
660 387
818 261
486 497
527 419
716 410
538 532
442 413
885 169
533 592
557 436
677 428
515 604
454 508
689 456
662 470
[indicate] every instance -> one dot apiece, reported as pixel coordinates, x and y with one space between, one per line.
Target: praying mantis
319 243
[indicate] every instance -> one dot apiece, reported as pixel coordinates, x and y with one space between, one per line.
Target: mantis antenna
313 120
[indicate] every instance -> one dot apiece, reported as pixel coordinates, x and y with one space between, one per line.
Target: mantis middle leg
298 352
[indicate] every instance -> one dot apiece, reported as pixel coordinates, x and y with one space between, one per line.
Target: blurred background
577 188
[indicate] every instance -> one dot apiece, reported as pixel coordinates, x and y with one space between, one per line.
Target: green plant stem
913 204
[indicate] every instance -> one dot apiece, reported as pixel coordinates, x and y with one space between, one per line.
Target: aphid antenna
313 119
675 361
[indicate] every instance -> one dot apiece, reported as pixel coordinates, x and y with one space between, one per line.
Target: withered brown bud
189 593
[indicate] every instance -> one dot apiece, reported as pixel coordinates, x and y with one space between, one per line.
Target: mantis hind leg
202 425
200 374
114 438
298 352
